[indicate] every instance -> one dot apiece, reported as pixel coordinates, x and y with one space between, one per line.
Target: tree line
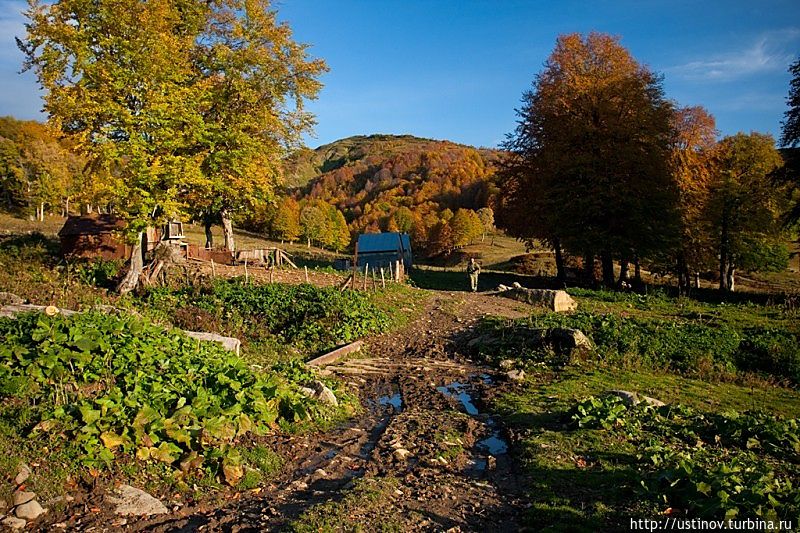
604 166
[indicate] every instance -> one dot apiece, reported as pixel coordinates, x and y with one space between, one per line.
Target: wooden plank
330 357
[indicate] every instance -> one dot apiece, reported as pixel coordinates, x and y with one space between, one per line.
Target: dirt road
424 450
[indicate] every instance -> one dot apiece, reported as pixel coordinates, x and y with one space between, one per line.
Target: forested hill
406 183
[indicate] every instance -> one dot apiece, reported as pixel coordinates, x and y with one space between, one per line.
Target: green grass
362 509
585 479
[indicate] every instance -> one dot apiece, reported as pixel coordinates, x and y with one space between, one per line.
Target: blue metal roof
383 242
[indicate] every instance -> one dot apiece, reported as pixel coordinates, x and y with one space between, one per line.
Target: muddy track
422 424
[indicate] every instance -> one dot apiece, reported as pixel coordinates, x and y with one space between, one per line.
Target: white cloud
771 52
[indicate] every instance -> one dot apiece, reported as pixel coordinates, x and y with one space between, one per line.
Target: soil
423 426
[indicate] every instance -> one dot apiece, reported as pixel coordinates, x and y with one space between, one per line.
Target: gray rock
324 394
131 501
21 497
30 511
570 340
631 398
14 522
652 401
628 398
23 473
232 344
558 301
515 375
517 285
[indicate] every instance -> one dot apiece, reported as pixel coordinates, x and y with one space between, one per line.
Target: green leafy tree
258 79
745 205
179 105
790 138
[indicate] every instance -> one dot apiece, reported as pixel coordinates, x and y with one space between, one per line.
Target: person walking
473 269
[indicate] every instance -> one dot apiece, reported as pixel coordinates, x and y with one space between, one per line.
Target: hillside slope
388 182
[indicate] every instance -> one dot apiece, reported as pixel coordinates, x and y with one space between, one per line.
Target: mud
423 424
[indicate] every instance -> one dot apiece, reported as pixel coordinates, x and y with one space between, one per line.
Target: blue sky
456 69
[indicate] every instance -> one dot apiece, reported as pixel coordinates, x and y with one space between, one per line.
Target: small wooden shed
99 236
379 250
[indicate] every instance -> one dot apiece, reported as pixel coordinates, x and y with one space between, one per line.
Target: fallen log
330 357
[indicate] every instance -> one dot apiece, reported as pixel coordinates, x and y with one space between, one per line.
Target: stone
517 285
21 497
652 402
570 340
503 288
628 398
507 364
30 510
558 301
23 473
131 501
401 454
515 375
232 344
14 522
631 398
324 394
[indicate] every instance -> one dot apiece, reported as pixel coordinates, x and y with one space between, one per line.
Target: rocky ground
423 450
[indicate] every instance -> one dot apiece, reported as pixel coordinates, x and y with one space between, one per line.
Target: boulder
631 398
14 522
567 340
557 301
30 510
324 394
232 344
131 501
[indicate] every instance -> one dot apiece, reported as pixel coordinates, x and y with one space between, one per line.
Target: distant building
384 249
100 237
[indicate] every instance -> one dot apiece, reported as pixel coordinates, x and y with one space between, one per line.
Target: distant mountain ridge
396 182
309 163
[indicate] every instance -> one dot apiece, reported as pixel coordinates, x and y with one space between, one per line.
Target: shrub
123 385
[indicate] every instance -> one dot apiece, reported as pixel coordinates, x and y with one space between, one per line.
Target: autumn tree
171 97
745 205
286 221
589 158
692 164
486 216
465 227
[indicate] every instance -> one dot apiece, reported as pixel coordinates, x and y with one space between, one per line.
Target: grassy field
727 444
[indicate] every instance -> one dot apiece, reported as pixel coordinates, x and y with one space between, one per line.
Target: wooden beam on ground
330 357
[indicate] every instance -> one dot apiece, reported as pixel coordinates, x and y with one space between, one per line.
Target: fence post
366 271
383 281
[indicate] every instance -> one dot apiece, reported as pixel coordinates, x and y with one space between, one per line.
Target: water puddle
459 391
395 400
493 445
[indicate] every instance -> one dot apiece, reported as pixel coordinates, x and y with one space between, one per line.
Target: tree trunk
131 279
607 263
227 230
623 271
724 255
684 278
588 268
731 278
208 224
561 274
697 280
637 272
